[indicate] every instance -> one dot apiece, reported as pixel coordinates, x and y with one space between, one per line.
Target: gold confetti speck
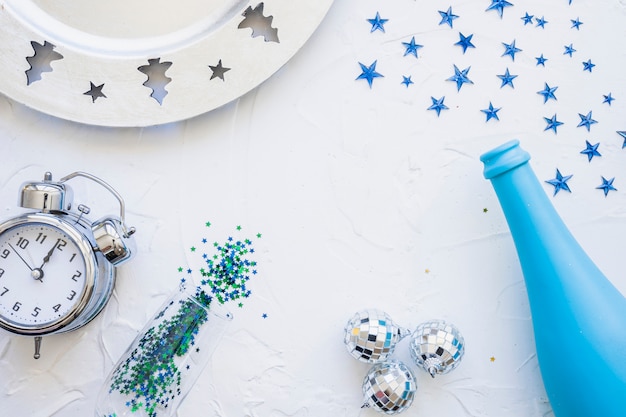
492 359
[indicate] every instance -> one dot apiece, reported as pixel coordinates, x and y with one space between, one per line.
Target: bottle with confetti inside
579 317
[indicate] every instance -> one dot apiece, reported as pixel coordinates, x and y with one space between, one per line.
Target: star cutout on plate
460 77
507 78
377 23
499 5
541 22
552 123
608 98
491 112
606 186
586 121
541 60
411 47
560 182
447 17
528 19
218 70
569 50
95 92
510 49
591 150
369 73
622 133
576 23
406 80
588 66
547 93
438 105
465 42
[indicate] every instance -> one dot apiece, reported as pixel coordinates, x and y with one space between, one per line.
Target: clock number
17 306
22 243
73 256
72 295
60 244
36 312
76 275
1 272
56 308
41 238
6 290
5 254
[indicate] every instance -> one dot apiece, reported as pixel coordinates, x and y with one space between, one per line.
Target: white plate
93 57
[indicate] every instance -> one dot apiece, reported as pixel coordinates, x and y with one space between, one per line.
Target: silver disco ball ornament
437 347
389 387
371 336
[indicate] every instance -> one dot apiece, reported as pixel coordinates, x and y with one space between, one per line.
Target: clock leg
37 355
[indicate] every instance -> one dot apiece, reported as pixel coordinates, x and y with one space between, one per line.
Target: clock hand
20 256
46 258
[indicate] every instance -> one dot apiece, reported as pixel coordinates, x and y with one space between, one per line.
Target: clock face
42 275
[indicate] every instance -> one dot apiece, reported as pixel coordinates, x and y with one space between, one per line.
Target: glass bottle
579 317
161 365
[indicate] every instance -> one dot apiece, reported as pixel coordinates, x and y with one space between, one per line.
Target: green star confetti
152 375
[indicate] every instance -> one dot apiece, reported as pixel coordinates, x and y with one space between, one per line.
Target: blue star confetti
541 60
507 78
510 49
541 22
591 150
560 182
499 6
411 47
608 98
491 112
465 42
407 80
548 93
588 66
586 121
528 19
368 73
552 123
569 50
576 23
438 105
447 17
606 186
377 23
460 77
623 135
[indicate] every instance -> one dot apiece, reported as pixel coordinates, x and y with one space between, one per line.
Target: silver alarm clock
57 268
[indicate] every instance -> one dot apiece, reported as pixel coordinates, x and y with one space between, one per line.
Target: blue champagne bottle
579 317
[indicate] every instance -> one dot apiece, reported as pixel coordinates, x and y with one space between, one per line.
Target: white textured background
364 199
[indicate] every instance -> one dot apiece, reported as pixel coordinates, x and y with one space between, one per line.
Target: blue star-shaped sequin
465 42
576 23
552 123
547 93
507 78
541 60
460 77
591 150
606 186
588 66
586 121
608 98
510 49
622 133
569 50
407 80
377 23
491 112
411 47
541 22
560 182
528 19
447 17
499 5
438 105
369 73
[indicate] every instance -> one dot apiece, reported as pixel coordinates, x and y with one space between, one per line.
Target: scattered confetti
623 135
586 121
378 23
606 186
560 182
541 60
460 77
491 112
528 19
447 17
499 5
510 49
507 78
552 123
591 150
406 80
369 73
608 98
588 66
438 105
411 47
548 93
465 42
569 50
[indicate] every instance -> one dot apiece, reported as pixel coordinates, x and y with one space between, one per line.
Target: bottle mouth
503 158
